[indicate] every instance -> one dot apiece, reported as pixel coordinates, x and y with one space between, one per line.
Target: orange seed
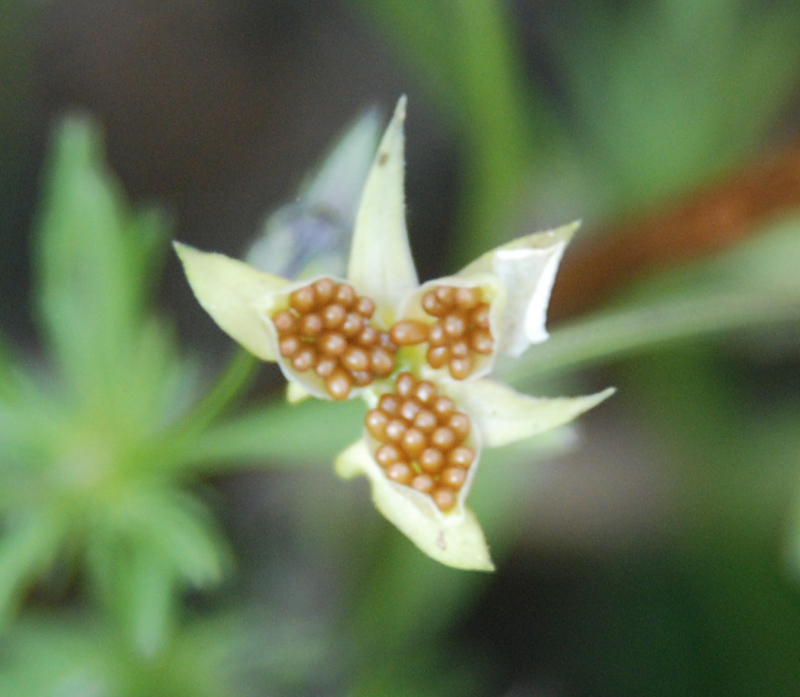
409 332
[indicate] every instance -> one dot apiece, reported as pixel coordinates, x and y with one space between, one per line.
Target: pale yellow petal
454 539
296 393
527 268
381 265
229 291
502 415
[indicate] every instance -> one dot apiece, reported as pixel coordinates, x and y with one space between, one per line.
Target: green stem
237 373
616 335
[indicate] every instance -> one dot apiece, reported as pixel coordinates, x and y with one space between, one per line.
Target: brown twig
715 217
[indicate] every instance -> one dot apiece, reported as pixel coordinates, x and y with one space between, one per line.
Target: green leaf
146 599
276 435
93 263
647 143
185 535
27 548
754 285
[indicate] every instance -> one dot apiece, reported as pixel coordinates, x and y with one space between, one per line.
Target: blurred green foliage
111 544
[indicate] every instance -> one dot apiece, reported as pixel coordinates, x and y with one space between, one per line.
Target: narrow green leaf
135 585
186 537
754 285
275 436
93 263
618 334
27 548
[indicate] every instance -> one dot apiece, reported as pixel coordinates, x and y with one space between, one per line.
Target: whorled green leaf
276 435
145 548
90 267
27 548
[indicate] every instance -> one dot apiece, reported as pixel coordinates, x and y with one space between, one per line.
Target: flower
417 354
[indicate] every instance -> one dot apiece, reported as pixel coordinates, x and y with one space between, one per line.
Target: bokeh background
659 553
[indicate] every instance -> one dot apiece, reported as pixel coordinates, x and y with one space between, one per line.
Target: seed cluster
421 440
327 329
459 335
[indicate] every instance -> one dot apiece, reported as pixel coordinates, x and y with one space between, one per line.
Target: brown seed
438 356
352 325
423 483
467 298
381 362
324 288
333 315
482 342
305 358
413 443
285 322
355 359
454 326
460 425
386 342
376 421
365 306
395 429
436 335
425 421
387 455
461 456
405 384
389 404
369 336
409 409
460 368
339 385
460 349
400 472
289 345
311 324
362 378
345 295
432 305
443 407
409 332
443 438
325 366
445 295
425 391
431 460
303 299
480 316
333 344
444 498
454 477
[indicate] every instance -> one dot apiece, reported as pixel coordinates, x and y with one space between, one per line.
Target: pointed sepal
231 291
381 265
527 269
503 415
454 539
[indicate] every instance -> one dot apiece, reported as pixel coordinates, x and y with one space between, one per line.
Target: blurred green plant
86 476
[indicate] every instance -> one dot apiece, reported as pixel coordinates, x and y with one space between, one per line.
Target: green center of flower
421 440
